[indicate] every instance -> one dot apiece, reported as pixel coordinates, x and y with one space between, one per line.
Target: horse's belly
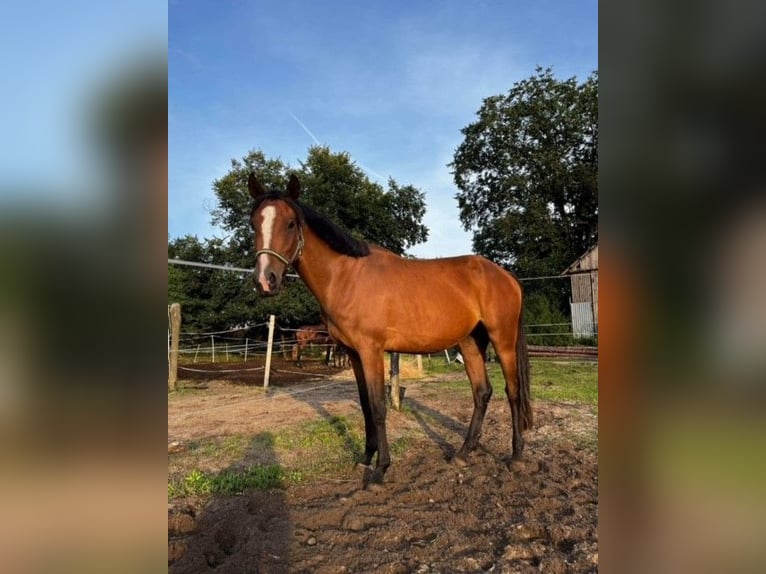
412 325
426 339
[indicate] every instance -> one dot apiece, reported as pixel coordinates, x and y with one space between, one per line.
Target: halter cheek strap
298 251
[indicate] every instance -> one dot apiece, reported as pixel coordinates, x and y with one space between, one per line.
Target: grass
332 444
436 364
214 452
321 433
231 482
565 381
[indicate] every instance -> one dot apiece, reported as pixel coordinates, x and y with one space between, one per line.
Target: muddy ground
539 516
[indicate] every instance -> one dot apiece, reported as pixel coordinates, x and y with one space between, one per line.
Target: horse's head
277 223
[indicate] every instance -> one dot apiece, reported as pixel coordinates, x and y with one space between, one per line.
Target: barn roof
588 261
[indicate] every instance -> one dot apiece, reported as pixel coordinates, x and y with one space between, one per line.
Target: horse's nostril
272 279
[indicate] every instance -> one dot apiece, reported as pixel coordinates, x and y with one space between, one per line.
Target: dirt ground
539 516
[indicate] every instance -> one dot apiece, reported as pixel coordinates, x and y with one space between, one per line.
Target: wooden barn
584 302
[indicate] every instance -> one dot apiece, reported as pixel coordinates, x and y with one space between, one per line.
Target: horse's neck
317 266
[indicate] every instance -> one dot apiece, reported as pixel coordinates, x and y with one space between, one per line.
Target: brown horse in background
311 335
374 301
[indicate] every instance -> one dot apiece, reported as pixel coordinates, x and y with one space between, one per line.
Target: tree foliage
331 183
527 174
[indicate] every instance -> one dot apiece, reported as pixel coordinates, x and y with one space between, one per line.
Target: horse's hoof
372 480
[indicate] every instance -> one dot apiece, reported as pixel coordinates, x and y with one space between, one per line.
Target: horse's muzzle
267 281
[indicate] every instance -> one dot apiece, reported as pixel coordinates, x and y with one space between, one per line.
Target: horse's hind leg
474 348
505 348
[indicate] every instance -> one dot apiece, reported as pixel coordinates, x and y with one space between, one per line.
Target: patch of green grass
232 482
435 388
399 445
328 433
565 381
329 444
221 450
437 365
310 449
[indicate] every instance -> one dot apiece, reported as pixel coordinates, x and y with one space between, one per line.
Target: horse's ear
294 187
254 187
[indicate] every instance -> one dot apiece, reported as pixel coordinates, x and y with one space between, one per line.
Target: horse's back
424 305
472 273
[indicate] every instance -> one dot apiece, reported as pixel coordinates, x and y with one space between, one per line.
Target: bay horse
374 301
311 335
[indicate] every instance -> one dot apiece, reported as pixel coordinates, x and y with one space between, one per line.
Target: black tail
522 373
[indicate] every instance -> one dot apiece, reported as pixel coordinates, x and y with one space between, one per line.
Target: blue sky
392 83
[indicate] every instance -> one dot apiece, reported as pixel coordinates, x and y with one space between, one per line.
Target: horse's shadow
342 430
443 430
235 532
434 425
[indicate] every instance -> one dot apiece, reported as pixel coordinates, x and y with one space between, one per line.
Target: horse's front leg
374 375
370 431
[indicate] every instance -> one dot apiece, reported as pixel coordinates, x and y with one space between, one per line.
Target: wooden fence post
269 345
212 345
420 365
246 349
175 331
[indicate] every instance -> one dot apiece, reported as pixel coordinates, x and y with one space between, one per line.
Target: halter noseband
298 250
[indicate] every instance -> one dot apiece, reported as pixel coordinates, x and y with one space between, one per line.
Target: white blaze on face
268 214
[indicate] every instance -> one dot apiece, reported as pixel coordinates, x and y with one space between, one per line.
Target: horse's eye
291 225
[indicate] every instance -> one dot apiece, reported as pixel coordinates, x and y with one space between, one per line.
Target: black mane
337 239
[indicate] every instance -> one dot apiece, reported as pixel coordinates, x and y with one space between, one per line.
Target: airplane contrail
305 129
373 173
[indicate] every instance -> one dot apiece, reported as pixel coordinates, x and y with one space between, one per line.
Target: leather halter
298 250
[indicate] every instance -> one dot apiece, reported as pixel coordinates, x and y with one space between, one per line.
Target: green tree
194 287
527 174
